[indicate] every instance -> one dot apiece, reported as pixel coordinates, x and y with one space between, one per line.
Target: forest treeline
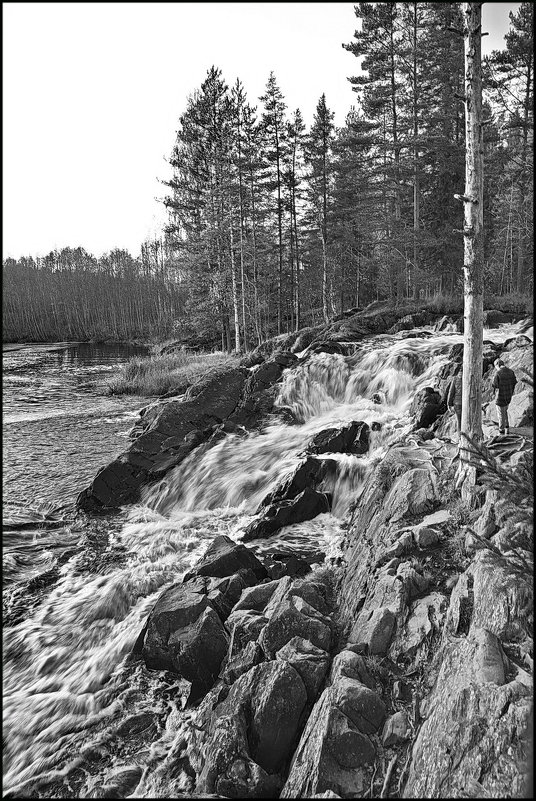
71 295
273 226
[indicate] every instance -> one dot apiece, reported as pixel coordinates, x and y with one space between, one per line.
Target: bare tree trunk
415 289
297 295
280 239
471 422
233 283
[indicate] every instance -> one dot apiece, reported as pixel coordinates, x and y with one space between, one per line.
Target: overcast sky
92 94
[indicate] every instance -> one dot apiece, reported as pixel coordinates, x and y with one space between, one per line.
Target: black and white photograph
267 282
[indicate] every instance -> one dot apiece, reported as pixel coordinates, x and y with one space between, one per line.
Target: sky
93 92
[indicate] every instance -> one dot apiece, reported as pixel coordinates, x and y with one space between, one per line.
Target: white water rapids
67 688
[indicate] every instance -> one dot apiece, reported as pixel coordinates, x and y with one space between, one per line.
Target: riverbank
342 629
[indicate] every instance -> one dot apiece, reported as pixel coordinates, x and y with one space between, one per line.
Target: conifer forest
274 226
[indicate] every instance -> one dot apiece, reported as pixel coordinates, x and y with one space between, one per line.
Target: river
76 709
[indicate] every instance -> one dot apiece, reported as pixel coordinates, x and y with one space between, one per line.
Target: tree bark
471 421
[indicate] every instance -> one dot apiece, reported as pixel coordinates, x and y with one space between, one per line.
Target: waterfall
65 678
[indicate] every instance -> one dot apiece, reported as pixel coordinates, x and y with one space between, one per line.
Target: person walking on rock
503 384
454 398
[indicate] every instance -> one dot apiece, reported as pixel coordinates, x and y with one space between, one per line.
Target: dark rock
251 359
426 537
245 626
351 665
294 617
285 358
305 337
456 352
360 704
349 746
223 593
257 598
332 754
373 630
493 318
305 506
329 346
228 771
352 438
308 474
426 407
206 403
311 663
280 564
258 720
224 557
243 661
186 636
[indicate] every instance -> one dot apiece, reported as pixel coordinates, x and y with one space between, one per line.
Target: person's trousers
502 412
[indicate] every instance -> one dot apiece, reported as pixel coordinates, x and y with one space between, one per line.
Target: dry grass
158 375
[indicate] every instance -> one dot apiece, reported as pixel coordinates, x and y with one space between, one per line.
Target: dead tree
473 259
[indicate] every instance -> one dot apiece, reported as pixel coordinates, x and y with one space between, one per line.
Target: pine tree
318 155
510 76
273 120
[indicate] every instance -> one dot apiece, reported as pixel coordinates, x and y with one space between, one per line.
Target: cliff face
452 625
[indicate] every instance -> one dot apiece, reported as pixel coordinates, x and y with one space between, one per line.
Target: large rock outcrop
169 430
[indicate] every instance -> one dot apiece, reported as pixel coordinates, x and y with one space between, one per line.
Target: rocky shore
404 670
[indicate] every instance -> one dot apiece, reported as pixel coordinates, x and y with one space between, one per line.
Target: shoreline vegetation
173 366
163 374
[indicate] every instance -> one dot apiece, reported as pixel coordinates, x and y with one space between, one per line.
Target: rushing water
70 691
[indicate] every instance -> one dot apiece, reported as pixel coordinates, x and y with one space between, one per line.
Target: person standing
504 384
454 398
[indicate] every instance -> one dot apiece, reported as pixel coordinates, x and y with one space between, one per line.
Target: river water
76 709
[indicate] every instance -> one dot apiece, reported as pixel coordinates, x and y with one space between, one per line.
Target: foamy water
67 683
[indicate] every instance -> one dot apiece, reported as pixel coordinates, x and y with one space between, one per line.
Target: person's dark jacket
504 381
454 396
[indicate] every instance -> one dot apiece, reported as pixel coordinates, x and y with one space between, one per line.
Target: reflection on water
58 427
69 690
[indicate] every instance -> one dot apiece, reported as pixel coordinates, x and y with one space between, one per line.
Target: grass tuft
171 373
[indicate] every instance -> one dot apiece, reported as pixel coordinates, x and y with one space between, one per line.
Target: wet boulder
328 346
426 407
224 557
260 390
280 563
241 662
305 506
162 443
493 318
309 473
353 438
186 636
